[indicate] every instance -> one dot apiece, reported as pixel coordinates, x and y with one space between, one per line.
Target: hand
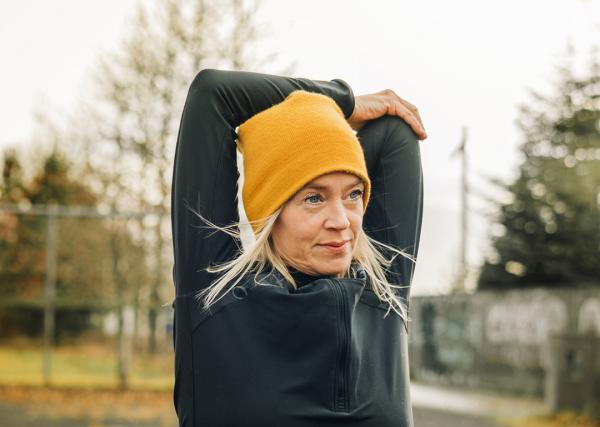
375 105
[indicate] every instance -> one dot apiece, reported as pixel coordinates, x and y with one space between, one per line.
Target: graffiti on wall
588 319
451 336
500 337
525 322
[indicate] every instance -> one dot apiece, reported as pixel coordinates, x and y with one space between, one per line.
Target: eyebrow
322 187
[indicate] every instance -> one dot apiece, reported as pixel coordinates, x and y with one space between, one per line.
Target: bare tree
129 137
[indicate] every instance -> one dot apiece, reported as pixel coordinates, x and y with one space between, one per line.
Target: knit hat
291 143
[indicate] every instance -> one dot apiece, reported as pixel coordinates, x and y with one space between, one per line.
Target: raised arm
205 173
395 211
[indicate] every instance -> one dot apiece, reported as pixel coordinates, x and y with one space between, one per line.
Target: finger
403 112
413 109
410 107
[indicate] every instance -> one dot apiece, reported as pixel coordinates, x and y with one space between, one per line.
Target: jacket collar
272 276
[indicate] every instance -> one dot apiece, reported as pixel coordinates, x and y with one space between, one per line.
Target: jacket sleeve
395 212
205 171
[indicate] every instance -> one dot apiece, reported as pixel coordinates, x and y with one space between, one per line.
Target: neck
303 278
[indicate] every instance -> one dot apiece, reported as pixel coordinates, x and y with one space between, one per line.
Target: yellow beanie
291 143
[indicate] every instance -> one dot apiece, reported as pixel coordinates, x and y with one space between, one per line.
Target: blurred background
505 302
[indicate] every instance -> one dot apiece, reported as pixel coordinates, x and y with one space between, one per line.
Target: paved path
427 417
474 402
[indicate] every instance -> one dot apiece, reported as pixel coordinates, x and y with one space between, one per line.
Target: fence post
50 293
572 373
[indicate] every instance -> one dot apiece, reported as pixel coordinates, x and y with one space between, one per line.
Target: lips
335 244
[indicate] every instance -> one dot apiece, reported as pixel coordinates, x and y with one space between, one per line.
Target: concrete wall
496 340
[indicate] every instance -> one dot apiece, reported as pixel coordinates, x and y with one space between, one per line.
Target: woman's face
327 210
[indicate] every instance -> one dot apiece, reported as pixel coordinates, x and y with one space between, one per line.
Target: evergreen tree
548 234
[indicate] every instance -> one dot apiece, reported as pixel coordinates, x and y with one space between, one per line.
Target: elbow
205 81
399 129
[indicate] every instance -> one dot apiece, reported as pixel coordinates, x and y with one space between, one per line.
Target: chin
335 267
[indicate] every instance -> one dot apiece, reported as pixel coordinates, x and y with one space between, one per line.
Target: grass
85 385
83 366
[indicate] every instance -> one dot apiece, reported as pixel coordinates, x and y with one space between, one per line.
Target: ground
38 408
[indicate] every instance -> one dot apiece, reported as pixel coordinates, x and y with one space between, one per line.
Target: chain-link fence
85 296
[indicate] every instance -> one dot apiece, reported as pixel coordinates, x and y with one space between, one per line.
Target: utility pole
459 281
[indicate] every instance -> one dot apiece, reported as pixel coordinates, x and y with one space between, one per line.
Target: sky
462 63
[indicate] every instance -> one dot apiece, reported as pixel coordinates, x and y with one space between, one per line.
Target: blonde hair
261 253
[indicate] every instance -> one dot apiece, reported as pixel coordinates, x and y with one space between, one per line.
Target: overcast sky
465 63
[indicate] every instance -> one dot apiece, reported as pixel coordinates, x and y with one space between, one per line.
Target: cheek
296 229
356 220
305 228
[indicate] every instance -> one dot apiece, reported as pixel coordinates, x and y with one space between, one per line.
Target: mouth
335 248
335 244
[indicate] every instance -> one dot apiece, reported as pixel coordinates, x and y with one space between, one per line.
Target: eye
313 197
359 192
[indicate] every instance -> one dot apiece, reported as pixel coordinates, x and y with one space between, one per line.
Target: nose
337 217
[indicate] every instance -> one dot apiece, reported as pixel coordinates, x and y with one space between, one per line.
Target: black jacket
321 355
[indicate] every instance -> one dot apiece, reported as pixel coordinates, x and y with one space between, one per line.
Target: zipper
341 398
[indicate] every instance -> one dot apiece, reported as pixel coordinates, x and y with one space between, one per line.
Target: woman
293 330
